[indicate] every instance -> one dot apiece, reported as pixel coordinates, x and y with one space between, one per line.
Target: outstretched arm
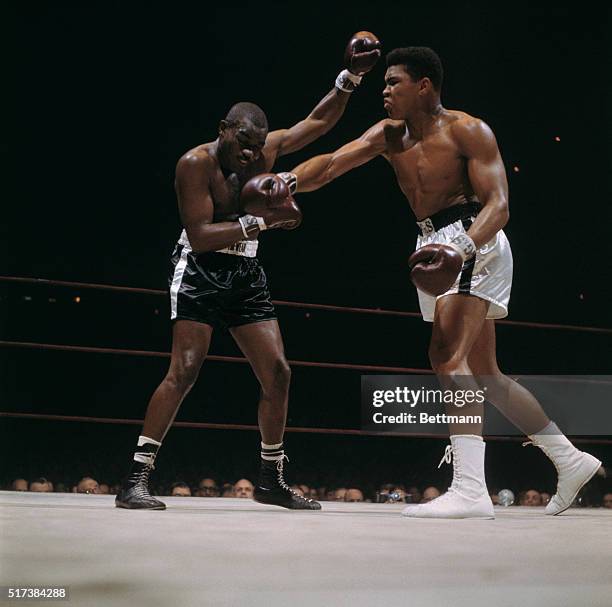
487 175
361 56
319 170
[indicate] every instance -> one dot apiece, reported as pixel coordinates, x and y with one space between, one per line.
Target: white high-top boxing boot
575 468
467 497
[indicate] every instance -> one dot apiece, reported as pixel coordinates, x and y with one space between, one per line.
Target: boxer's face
240 144
401 93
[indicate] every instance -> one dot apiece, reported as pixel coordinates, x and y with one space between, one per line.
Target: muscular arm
488 178
319 170
322 119
196 206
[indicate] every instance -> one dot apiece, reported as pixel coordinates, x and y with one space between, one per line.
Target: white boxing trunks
488 275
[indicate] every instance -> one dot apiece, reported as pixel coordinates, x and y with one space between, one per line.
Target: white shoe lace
141 482
283 484
447 458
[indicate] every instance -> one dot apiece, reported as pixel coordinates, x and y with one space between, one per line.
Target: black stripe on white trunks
465 280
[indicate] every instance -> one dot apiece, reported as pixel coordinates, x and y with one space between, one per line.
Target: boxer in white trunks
449 167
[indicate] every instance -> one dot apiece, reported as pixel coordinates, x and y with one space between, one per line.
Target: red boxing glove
434 268
362 52
267 197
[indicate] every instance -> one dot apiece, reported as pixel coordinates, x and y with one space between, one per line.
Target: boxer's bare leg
262 344
190 343
458 322
457 325
515 402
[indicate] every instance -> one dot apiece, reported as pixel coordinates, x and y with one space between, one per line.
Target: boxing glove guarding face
434 268
267 196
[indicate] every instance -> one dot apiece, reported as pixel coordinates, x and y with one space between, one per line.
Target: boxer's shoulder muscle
469 132
200 159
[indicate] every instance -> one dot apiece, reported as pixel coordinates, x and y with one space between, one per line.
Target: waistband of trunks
244 248
447 216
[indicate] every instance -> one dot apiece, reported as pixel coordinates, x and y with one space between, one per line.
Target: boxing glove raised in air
362 52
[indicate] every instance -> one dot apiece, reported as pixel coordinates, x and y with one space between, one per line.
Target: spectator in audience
41 485
87 485
330 493
180 489
298 489
305 489
115 488
607 500
244 488
208 487
19 484
494 498
353 495
339 494
430 493
315 493
545 497
531 497
227 490
414 495
104 488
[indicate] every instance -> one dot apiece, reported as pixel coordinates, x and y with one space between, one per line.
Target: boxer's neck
424 118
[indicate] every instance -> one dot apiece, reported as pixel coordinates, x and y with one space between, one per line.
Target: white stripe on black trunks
177 279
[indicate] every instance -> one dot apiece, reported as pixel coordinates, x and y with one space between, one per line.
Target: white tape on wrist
464 245
347 81
251 225
290 179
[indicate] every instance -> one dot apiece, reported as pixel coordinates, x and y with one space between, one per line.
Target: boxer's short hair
252 112
419 62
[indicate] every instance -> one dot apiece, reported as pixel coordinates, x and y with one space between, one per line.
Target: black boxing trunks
221 289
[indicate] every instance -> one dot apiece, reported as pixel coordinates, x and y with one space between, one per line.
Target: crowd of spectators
243 488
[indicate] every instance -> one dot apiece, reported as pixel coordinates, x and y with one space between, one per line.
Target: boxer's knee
446 362
182 376
276 384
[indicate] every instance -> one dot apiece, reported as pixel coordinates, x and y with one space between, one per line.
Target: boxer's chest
225 190
431 165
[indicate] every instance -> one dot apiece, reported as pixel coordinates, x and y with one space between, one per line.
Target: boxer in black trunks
217 282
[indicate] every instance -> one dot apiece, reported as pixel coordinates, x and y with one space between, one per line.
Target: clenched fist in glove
435 267
268 204
361 54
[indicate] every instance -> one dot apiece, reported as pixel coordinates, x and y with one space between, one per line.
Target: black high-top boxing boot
272 488
134 492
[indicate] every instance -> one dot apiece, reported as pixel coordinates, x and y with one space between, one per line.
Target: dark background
102 99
